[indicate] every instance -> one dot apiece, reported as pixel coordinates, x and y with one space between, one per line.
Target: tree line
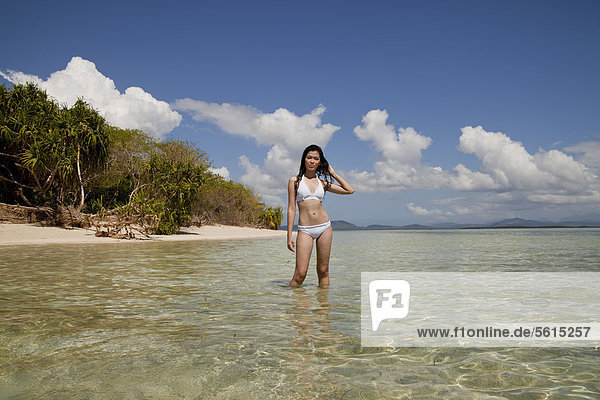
62 157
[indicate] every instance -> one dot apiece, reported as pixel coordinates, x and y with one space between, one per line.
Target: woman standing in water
308 190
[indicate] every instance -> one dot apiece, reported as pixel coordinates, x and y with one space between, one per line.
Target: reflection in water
309 314
216 320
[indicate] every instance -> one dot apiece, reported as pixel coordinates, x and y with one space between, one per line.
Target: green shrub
271 217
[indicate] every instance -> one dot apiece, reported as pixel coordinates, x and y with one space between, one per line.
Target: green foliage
173 176
226 202
59 156
123 171
271 217
152 181
48 151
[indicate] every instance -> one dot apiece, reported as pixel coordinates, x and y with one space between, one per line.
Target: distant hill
518 222
381 227
343 226
527 223
582 221
450 225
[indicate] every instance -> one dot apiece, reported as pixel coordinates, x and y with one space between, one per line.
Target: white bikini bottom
314 230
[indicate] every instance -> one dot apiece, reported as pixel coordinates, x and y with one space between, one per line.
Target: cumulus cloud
223 172
509 174
286 133
281 127
399 164
133 109
404 147
511 167
420 211
463 179
590 153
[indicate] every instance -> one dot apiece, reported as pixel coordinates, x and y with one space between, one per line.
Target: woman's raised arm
343 187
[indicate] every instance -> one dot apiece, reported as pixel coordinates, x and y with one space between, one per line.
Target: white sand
12 234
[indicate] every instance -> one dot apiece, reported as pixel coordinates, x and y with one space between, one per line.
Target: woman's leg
323 251
304 245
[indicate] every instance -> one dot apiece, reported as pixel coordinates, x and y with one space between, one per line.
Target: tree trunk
80 180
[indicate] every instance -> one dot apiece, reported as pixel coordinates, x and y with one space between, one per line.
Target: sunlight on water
216 320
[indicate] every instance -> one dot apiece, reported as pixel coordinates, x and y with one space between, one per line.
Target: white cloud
463 179
223 172
404 147
565 198
286 133
134 109
510 177
399 165
511 167
267 186
590 151
420 211
282 127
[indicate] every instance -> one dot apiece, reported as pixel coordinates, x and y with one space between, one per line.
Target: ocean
216 320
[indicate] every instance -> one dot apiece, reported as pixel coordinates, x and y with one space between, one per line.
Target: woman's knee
300 275
323 269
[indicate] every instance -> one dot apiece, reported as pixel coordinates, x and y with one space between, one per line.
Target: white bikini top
304 192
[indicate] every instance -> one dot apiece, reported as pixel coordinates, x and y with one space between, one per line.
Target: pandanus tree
28 144
86 138
47 151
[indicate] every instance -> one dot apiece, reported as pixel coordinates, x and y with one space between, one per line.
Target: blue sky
465 111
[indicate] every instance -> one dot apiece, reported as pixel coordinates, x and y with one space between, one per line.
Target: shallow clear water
216 320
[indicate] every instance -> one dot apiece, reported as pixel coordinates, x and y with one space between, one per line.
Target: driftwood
60 216
120 225
24 214
114 223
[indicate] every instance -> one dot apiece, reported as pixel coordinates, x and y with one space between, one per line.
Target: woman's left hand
331 170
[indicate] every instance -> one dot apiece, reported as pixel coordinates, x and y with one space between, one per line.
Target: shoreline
34 234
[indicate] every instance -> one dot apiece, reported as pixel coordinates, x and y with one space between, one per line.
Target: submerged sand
13 234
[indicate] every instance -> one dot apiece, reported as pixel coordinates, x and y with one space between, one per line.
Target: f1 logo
389 299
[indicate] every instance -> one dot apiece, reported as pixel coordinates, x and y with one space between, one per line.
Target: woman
308 190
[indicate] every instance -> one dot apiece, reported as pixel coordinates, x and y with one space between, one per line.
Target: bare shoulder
292 179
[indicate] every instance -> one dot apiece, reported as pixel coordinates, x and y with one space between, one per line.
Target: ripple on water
217 320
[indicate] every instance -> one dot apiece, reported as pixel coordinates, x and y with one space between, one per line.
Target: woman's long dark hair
322 170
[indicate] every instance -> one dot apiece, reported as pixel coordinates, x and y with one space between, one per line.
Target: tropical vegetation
62 157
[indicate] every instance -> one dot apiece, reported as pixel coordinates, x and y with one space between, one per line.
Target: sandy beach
24 234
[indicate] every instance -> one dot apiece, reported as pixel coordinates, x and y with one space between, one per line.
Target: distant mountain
583 217
450 225
381 227
527 223
518 222
344 226
415 227
396 227
580 221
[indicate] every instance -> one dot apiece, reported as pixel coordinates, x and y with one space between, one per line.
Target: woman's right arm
291 213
